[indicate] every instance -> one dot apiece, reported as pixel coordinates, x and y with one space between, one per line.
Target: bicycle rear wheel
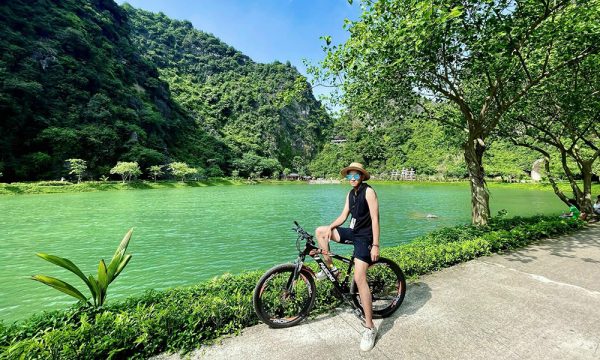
279 300
388 287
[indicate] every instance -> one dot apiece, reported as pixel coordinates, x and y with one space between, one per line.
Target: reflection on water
183 236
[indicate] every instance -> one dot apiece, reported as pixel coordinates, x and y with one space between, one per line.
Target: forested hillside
74 86
264 113
103 83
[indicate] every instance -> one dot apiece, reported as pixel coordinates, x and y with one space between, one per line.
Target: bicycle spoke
279 303
387 286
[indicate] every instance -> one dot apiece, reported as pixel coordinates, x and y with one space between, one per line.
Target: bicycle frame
341 287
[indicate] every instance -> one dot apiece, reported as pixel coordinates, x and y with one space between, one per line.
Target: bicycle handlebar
305 235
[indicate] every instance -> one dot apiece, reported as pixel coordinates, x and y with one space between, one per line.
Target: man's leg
360 277
322 233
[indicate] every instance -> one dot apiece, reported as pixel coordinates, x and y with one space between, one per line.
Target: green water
183 236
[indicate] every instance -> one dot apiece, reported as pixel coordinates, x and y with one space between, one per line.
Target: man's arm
371 197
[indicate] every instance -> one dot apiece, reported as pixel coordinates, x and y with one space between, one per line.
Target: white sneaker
368 339
322 276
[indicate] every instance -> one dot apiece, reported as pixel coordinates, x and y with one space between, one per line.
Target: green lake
187 235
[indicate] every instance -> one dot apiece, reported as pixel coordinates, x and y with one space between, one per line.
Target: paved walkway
541 302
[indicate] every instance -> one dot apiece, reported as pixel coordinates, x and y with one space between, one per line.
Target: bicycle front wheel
280 300
388 287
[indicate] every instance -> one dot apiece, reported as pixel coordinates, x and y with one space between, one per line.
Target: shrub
54 183
98 286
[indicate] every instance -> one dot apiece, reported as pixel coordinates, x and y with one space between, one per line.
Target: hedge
182 319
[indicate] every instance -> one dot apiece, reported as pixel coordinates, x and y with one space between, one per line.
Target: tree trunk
585 203
557 191
583 198
577 194
480 204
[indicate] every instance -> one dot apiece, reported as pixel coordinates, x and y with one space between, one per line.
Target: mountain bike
285 294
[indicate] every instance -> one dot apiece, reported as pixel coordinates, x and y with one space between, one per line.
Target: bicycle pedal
359 314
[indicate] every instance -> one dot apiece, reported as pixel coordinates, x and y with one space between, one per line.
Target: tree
480 57
268 166
255 166
562 120
429 151
181 170
332 158
77 167
299 164
214 171
127 170
156 171
508 161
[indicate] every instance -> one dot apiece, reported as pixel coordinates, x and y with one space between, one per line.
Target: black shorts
362 244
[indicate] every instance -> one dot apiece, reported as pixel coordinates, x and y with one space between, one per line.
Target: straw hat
357 167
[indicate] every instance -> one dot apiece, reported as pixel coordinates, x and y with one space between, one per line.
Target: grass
47 187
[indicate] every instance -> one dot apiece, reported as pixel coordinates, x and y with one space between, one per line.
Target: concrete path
541 302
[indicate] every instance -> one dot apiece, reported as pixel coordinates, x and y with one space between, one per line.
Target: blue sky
265 30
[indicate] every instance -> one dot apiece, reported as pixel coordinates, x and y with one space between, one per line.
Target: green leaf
60 286
455 12
118 256
102 275
122 265
102 282
65 263
94 288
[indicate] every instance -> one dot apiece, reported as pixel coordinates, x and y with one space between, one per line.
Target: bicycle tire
388 287
277 307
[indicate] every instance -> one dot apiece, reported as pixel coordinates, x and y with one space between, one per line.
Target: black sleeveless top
359 209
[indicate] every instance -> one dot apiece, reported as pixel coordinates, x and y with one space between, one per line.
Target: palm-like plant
98 286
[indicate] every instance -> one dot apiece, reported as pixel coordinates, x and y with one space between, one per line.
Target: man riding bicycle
363 233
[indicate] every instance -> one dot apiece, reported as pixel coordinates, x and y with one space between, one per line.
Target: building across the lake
405 174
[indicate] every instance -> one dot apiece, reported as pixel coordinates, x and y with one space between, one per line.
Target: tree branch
442 120
570 176
546 155
583 54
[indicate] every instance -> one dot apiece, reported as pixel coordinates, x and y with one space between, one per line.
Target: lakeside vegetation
57 187
54 187
183 319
